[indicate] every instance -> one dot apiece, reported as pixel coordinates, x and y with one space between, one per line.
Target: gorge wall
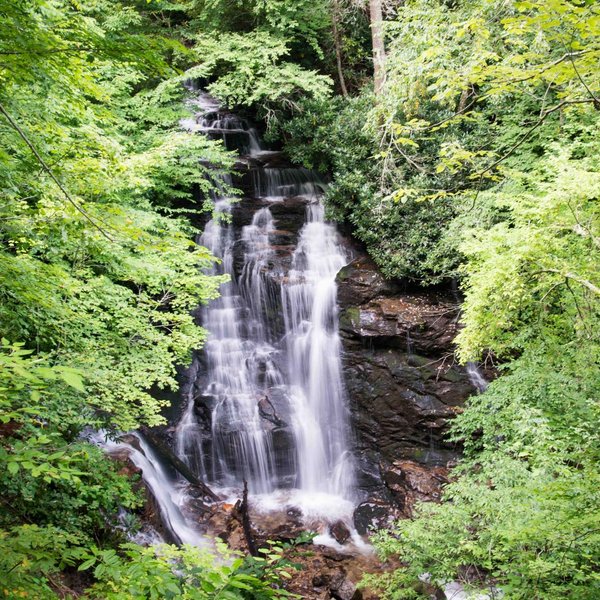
402 382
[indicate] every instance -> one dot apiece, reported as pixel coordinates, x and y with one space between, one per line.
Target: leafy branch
48 170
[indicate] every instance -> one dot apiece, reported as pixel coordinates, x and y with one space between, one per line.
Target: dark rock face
289 215
403 387
377 310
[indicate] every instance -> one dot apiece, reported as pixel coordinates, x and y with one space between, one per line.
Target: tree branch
48 170
574 277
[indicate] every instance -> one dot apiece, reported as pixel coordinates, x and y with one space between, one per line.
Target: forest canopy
474 160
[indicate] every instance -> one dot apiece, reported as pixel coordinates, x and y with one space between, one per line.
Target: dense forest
461 143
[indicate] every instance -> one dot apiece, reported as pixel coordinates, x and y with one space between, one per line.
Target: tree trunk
378 44
335 19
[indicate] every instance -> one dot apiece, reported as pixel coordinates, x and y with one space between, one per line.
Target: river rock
345 590
340 532
375 514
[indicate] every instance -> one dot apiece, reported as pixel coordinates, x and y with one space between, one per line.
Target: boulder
340 532
372 308
346 590
376 514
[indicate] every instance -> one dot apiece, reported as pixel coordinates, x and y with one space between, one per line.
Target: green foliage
535 274
482 151
404 237
302 22
249 71
491 94
58 493
187 572
30 555
480 159
101 279
521 513
97 278
259 54
490 56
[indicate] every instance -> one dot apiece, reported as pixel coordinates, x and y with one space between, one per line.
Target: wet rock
331 553
418 322
289 214
267 411
367 471
372 307
204 405
403 384
374 515
399 410
361 281
321 580
346 591
413 482
283 526
131 440
340 532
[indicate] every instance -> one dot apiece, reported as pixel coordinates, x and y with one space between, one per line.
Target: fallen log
177 464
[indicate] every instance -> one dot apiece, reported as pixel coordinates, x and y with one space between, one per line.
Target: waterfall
266 401
170 497
235 132
476 378
277 184
314 363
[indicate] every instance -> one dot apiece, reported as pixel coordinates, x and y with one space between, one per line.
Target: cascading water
314 364
269 378
170 496
476 378
277 184
236 133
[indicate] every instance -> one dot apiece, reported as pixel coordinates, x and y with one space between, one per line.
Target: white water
270 369
476 378
170 497
273 348
275 185
224 126
314 359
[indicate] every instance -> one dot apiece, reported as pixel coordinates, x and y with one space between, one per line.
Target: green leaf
74 379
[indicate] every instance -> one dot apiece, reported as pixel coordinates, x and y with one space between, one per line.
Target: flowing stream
265 401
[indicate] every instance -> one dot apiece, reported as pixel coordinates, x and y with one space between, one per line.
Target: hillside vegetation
474 158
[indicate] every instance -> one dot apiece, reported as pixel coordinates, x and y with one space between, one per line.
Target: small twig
584 84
